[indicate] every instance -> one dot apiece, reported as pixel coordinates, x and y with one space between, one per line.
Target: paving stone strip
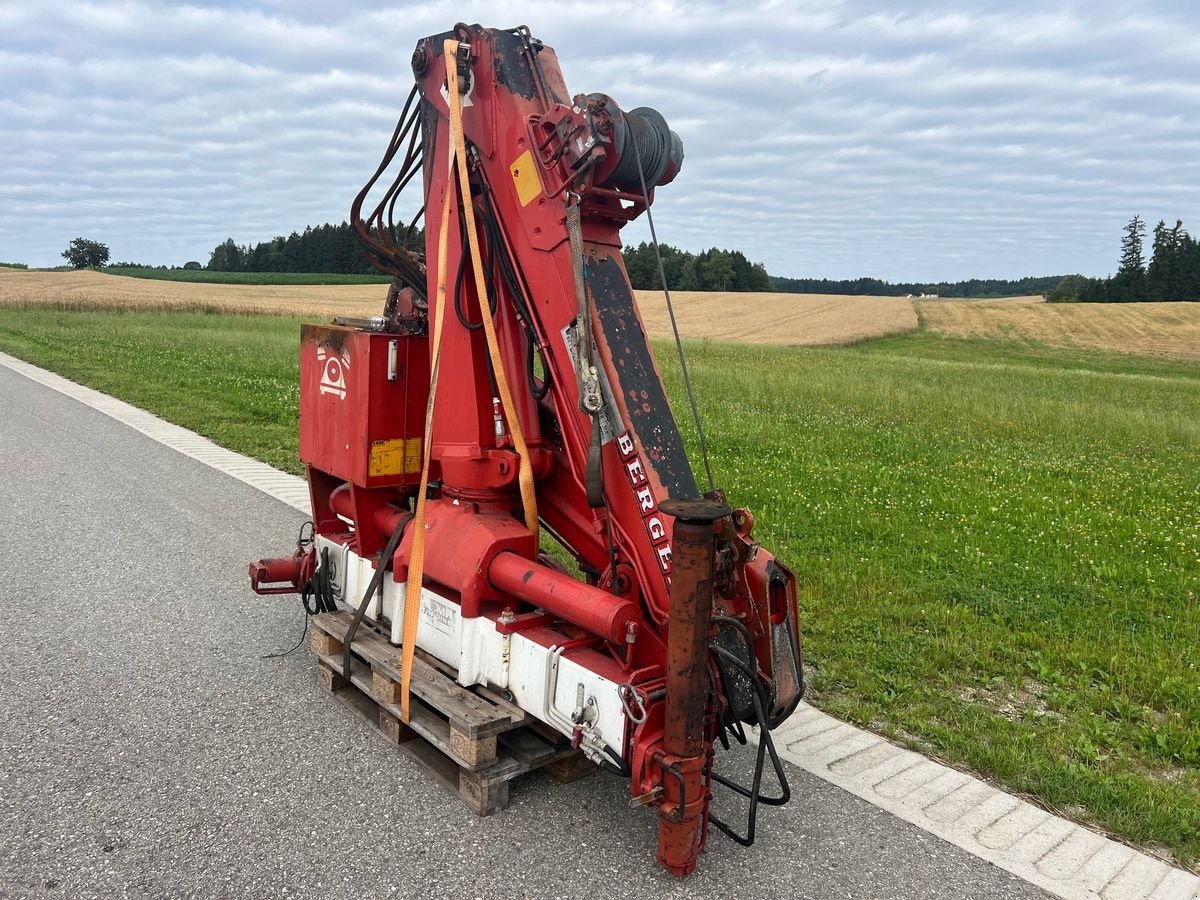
1053 853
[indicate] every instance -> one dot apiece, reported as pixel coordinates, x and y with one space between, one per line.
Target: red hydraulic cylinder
280 575
342 503
588 607
683 821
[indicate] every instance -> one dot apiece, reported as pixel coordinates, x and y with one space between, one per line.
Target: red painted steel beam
683 819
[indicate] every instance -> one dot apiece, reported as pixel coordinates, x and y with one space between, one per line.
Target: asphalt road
148 750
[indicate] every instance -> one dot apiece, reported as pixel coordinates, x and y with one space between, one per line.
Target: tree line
974 287
326 248
1172 273
710 270
335 249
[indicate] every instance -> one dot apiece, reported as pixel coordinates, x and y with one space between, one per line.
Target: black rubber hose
458 282
319 589
517 289
766 743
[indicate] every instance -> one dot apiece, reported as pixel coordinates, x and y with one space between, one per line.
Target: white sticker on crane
466 99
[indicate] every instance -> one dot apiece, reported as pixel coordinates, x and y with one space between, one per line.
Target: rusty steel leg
683 819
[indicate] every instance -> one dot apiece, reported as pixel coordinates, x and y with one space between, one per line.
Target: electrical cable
320 588
303 542
459 312
518 289
295 647
499 260
662 278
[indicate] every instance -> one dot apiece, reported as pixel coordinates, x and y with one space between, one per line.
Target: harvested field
788 319
1169 330
85 290
809 320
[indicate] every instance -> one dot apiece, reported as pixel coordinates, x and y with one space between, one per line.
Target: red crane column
683 814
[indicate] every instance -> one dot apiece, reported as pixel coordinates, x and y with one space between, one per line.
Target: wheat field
810 320
1168 330
785 319
86 289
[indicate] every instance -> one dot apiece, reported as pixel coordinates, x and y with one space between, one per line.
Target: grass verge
998 546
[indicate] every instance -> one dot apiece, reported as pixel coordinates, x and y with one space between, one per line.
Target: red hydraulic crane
507 401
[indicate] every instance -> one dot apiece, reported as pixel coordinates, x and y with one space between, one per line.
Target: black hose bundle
320 590
388 246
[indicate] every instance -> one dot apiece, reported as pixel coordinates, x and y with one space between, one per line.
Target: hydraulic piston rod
598 611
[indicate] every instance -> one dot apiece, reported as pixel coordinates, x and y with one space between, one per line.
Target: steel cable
662 278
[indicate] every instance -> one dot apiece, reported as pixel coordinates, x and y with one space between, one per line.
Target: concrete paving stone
1137 880
889 768
1012 826
817 743
925 795
868 758
959 802
1068 859
1043 839
982 816
899 786
812 726
855 742
1177 885
1105 867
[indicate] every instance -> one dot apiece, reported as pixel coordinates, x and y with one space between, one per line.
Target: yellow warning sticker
413 457
526 179
395 457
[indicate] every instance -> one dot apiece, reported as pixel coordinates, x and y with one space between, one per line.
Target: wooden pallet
473 742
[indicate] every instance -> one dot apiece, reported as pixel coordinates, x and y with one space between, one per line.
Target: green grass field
998 547
206 277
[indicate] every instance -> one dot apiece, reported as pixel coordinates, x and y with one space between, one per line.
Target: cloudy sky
904 141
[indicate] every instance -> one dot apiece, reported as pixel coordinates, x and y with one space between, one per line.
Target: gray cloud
829 139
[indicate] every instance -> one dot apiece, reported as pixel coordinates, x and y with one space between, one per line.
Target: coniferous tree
1165 275
1160 261
1130 280
1178 285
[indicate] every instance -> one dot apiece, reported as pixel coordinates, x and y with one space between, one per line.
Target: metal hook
624 690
